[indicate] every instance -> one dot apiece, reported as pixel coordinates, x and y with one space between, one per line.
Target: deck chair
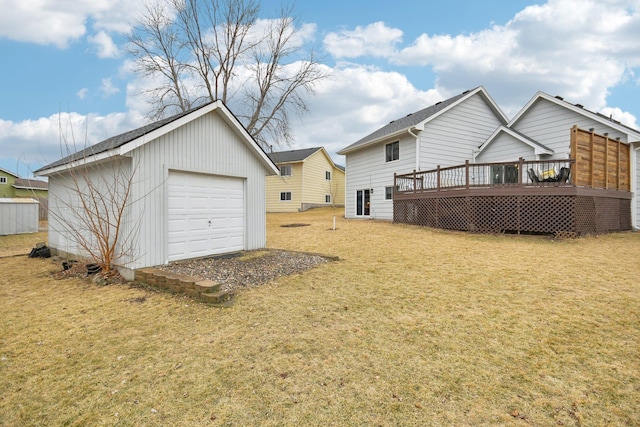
532 175
563 176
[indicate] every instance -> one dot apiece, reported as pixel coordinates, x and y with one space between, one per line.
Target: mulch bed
246 269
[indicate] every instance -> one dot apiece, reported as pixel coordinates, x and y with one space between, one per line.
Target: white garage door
206 215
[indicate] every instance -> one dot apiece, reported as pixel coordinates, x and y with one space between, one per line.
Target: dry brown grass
411 327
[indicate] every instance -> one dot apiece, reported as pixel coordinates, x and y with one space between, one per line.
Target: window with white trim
327 198
3 179
285 170
285 196
327 175
392 151
388 193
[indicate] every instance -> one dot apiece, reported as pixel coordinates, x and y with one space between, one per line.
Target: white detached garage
198 188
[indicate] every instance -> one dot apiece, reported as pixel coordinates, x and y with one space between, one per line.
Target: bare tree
89 208
207 50
160 53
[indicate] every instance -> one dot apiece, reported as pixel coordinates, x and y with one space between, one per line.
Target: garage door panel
206 215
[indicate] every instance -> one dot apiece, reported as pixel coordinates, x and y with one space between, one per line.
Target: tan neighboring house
308 179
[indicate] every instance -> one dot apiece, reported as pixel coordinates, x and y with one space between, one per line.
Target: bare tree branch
217 49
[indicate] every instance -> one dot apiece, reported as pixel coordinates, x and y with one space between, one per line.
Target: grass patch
412 326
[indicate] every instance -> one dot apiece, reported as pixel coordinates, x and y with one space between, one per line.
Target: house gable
307 183
122 144
548 120
417 121
506 144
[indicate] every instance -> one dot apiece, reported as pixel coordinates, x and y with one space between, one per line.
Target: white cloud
35 143
104 45
574 48
355 101
108 88
59 22
621 116
82 93
375 39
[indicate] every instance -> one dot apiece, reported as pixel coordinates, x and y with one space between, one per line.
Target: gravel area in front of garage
245 269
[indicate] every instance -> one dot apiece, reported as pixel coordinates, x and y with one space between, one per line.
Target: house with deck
556 167
308 179
446 133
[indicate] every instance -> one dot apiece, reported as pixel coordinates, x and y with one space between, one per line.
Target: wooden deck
517 197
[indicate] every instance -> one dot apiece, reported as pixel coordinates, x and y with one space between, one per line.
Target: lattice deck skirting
583 213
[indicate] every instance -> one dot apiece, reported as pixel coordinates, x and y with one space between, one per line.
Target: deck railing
547 173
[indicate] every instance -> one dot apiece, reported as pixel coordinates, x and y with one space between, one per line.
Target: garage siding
206 145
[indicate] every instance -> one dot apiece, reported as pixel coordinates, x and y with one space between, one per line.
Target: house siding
550 124
65 206
205 145
452 137
6 189
367 169
277 184
505 148
315 185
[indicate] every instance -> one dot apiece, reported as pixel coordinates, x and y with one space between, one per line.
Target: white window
392 151
3 179
285 170
388 193
327 176
285 195
327 198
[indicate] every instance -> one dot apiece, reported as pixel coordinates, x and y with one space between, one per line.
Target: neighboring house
542 131
447 133
11 185
198 188
308 179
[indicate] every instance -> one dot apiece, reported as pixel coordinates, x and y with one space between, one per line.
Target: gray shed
18 216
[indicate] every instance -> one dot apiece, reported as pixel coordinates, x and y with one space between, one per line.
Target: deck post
414 182
466 174
520 170
395 184
438 178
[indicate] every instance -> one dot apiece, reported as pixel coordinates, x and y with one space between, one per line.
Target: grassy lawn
412 326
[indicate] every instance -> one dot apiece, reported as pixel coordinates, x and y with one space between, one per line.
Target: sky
65 71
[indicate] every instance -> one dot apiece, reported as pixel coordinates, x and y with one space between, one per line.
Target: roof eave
375 141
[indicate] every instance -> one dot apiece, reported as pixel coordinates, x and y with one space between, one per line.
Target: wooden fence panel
601 162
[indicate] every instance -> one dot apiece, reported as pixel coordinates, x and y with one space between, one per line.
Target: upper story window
3 179
392 151
285 170
327 175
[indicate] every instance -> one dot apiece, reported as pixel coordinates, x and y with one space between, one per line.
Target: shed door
206 215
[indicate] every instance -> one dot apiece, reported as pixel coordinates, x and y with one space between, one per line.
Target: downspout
417 148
